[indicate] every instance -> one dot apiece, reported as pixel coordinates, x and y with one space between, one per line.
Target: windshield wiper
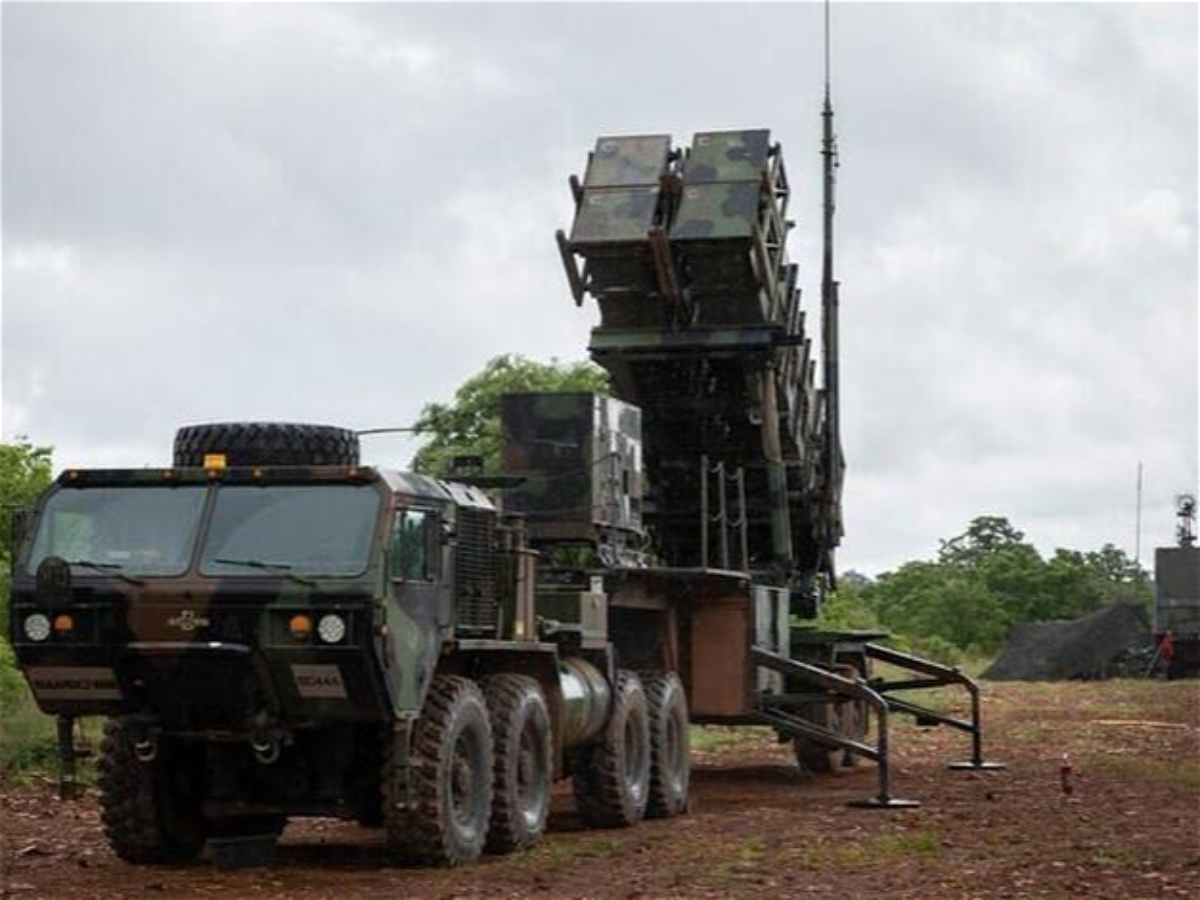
285 568
105 567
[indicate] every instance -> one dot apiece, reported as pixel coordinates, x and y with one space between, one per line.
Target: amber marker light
300 627
63 624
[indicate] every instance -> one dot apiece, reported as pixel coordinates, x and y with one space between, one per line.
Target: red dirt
759 829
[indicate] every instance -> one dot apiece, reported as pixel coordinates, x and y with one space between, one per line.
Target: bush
848 609
12 685
28 743
27 736
929 646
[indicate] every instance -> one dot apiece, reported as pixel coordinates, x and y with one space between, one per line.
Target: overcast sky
337 213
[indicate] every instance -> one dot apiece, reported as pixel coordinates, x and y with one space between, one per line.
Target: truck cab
270 641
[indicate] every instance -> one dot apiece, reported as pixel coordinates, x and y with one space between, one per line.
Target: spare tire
266 444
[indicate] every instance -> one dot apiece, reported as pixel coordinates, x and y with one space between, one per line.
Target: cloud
339 212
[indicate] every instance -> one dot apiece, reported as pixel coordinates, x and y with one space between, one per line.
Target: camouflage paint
731 377
581 456
215 653
625 161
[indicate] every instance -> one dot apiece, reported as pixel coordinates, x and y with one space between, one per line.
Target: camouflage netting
1113 641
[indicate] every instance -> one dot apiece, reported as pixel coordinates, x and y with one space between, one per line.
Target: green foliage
852 608
470 425
849 608
984 581
24 473
27 738
984 536
12 686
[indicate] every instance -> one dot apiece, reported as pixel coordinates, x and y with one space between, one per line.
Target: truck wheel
812 756
147 818
612 779
670 761
847 718
450 776
522 775
266 444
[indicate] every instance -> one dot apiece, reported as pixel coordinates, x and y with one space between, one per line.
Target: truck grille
475 565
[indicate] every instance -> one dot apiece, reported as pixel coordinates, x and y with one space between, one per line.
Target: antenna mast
829 312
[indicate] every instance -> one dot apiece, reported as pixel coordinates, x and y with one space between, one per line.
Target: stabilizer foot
982 765
884 803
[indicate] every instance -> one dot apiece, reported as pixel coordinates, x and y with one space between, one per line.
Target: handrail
853 689
940 675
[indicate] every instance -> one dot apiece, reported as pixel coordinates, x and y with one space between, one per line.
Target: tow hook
266 747
146 749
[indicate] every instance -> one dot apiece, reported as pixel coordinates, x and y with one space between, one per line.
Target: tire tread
266 444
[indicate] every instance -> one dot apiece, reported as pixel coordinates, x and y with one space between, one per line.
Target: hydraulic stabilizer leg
68 775
884 799
936 675
850 689
976 762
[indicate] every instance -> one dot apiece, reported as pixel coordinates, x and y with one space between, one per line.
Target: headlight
37 627
331 629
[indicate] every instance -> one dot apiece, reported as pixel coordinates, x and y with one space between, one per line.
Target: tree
471 424
1016 575
984 536
1113 565
24 473
854 577
1074 584
928 602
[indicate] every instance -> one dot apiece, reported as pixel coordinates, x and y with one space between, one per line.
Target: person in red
1165 654
1166 647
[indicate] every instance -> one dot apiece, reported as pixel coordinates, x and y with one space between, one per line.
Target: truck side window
410 545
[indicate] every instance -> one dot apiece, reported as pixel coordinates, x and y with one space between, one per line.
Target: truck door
415 575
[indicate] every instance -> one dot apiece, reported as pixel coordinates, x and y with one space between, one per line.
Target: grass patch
732 863
711 738
1118 857
28 745
752 850
28 737
925 842
881 850
1186 776
1180 774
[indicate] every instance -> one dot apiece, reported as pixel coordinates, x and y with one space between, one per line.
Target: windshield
135 530
302 530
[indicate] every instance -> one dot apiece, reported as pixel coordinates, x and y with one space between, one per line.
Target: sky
338 213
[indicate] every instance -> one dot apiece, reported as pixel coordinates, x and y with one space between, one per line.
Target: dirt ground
759 829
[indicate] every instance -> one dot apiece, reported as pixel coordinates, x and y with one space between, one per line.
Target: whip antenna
834 463
826 49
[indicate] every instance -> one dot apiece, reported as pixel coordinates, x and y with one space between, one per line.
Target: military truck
275 630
